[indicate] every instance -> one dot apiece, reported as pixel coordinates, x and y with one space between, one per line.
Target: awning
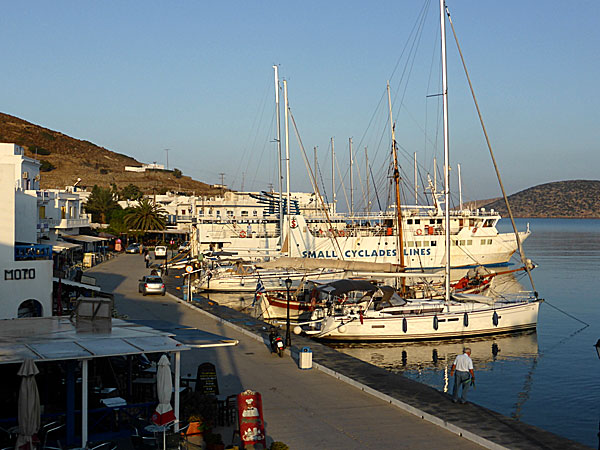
59 246
84 238
57 339
192 337
76 284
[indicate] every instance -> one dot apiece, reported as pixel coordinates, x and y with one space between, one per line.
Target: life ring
242 234
419 232
341 233
474 230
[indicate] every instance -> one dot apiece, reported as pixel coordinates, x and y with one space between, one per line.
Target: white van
160 251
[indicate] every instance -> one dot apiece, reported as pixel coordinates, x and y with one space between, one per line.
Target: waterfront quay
341 403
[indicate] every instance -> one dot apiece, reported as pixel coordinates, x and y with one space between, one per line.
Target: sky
196 77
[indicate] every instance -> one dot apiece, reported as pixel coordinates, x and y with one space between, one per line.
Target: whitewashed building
25 265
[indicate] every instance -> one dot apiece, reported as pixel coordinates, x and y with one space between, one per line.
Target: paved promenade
342 403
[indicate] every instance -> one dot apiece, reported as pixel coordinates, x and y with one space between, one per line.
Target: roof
190 336
57 338
59 246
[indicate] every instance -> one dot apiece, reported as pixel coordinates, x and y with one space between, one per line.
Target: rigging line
375 189
566 313
314 183
267 141
512 220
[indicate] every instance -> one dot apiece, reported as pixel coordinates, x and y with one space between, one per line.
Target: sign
206 379
19 274
250 418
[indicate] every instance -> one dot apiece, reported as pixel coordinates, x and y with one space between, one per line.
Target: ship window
453 242
417 243
488 223
470 242
218 212
417 221
409 221
439 221
410 244
255 213
433 243
462 242
425 243
483 241
471 222
489 242
244 213
229 213
461 222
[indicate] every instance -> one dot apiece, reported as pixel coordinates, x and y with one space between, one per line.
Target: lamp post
288 337
598 352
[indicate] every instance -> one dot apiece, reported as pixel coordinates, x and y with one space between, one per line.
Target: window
229 213
410 244
255 213
432 221
417 243
244 213
469 242
453 242
42 212
63 212
417 221
409 221
461 242
218 213
433 243
439 221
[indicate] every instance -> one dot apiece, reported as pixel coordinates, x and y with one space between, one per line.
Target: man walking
463 365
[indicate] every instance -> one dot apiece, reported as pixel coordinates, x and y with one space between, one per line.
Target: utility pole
167 150
222 174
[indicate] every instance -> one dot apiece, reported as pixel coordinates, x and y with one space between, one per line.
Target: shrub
177 173
46 166
39 150
276 445
104 171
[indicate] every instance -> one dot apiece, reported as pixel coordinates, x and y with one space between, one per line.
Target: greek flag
260 289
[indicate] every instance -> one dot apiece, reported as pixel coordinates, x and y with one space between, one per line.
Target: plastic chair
143 442
50 433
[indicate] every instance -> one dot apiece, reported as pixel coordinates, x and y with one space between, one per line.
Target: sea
549 378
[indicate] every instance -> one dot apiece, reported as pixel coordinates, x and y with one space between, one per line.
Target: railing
36 251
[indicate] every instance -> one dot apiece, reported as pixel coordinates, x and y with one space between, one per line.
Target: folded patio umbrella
164 413
29 405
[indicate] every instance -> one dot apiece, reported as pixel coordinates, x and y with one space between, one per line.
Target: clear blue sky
138 77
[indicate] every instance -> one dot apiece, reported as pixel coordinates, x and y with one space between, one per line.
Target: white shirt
463 363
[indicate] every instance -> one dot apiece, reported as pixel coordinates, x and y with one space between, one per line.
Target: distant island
64 159
559 199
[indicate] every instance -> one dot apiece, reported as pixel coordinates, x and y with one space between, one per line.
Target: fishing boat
380 313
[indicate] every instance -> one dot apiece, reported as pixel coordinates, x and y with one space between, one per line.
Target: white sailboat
379 313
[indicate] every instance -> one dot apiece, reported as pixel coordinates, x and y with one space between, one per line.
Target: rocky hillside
569 199
65 159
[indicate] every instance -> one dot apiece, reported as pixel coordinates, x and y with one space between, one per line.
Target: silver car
152 284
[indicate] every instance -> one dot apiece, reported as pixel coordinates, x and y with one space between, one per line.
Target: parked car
160 251
184 247
152 284
133 248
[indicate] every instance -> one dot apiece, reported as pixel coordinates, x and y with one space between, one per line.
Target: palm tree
101 204
146 216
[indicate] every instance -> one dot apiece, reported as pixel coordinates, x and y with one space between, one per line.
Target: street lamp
288 337
598 352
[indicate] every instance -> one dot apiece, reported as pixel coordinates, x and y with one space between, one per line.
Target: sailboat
375 313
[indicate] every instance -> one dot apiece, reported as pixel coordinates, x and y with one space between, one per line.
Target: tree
130 192
46 166
177 173
146 216
101 204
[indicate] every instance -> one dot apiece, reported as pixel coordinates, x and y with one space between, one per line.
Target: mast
446 149
460 202
333 173
276 68
367 173
287 149
351 182
400 241
416 183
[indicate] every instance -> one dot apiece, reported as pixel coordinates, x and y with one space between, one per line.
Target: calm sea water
549 378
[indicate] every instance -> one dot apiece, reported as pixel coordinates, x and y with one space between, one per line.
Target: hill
69 158
566 199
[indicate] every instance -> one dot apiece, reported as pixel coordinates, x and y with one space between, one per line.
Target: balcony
65 223
33 252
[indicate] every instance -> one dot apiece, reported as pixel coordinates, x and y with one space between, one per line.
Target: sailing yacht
374 313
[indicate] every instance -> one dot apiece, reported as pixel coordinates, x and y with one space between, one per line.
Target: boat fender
242 234
435 322
495 319
361 317
342 328
419 231
404 325
466 320
297 329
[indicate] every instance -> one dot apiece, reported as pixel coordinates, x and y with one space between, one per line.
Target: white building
25 266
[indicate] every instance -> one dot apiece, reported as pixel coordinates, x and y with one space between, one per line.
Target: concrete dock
342 403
